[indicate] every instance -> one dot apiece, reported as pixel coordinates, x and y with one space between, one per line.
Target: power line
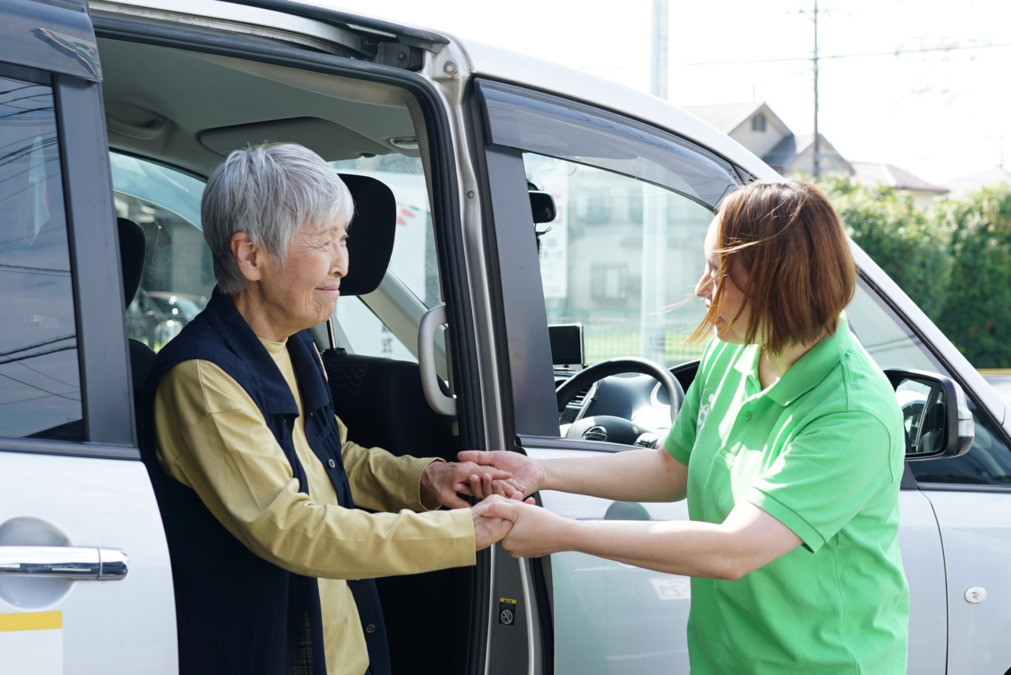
44 343
894 52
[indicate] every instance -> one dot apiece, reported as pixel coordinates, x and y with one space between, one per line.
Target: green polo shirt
822 451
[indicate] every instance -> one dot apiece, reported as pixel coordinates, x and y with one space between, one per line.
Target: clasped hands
504 481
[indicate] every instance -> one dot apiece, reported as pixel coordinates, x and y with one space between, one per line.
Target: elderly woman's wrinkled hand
526 477
441 481
533 531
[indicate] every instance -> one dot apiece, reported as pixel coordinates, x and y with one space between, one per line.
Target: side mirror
935 414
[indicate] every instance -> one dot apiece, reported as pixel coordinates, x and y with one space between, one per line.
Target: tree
898 235
977 312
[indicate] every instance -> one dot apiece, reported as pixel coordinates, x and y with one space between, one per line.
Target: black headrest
131 256
370 241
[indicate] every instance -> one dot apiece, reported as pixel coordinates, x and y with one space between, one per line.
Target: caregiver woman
789 449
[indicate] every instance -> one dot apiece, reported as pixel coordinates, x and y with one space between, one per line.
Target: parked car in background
124 107
155 317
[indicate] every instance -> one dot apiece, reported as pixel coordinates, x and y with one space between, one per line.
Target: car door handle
67 562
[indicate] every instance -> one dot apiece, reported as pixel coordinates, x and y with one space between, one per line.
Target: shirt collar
807 372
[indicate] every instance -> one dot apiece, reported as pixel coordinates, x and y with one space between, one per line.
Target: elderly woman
789 449
257 484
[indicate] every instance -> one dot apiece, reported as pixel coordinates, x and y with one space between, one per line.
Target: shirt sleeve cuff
432 503
811 537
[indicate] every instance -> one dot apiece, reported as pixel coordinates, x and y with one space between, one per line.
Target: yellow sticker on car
32 642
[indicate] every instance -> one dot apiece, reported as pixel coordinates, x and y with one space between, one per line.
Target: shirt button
332 463
747 416
370 629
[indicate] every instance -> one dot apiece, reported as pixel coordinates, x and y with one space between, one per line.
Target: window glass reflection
40 392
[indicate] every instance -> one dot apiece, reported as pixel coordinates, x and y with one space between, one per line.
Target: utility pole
654 210
658 50
816 159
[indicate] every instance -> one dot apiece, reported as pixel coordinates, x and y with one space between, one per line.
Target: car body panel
611 617
90 494
52 37
975 529
117 626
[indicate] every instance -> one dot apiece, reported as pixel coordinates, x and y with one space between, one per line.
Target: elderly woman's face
302 292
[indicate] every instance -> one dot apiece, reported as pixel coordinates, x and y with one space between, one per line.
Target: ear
249 256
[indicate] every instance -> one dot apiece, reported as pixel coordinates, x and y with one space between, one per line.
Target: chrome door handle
67 562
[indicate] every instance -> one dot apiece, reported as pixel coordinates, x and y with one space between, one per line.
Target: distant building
760 130
795 155
867 173
992 176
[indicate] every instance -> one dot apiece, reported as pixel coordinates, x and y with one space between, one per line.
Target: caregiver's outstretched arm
748 539
645 475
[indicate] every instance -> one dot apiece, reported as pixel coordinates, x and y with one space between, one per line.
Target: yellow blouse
212 437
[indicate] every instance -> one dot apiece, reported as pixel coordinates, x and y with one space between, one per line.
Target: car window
618 264
178 274
633 204
893 344
413 273
40 392
621 260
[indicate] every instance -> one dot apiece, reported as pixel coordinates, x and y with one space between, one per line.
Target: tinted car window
40 393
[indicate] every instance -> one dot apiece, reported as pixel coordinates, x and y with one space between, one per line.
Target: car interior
185 110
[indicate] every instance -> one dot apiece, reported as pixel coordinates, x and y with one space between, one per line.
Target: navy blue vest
235 612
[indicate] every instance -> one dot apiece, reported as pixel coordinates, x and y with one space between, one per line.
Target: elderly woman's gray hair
268 192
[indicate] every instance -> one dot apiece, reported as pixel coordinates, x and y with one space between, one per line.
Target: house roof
870 173
790 148
992 176
781 155
728 117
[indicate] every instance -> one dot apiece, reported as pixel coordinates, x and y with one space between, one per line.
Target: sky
920 84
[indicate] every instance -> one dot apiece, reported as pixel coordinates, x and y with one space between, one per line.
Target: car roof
356 35
508 66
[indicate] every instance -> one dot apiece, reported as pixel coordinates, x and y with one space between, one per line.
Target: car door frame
452 195
94 493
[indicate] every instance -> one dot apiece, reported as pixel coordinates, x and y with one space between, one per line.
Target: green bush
899 235
953 258
977 313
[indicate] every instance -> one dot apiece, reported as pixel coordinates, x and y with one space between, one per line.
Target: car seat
132 249
382 403
379 399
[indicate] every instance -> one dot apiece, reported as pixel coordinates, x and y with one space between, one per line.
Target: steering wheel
610 427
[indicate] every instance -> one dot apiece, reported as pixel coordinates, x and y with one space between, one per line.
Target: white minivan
527 237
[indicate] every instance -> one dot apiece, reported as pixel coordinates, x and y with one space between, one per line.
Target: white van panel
124 626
